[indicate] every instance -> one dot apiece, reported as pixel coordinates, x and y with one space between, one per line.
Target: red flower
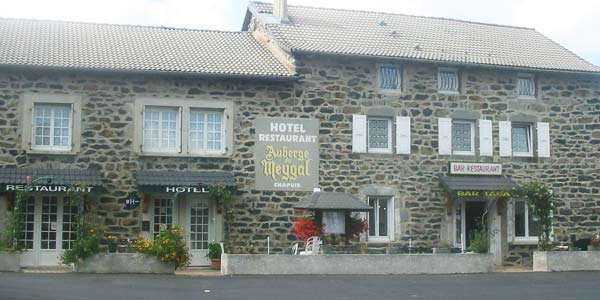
305 228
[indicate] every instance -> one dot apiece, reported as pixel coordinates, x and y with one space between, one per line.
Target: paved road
512 286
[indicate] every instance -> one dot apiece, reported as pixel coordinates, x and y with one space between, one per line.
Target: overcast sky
574 24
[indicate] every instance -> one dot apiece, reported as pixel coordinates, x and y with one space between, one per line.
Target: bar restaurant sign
469 168
287 154
47 188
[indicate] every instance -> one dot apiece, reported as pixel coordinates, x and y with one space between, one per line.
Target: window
51 123
162 217
161 129
525 224
52 126
379 135
186 127
526 86
463 137
448 80
334 221
521 139
380 218
206 131
389 78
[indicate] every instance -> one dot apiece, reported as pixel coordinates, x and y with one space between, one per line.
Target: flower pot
441 250
215 263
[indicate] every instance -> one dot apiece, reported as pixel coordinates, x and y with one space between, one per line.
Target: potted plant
251 249
214 254
112 243
595 244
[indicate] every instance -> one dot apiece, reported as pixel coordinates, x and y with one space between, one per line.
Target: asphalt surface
547 286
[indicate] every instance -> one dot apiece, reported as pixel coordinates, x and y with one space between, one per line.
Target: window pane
448 81
334 221
383 217
160 128
373 204
520 218
52 125
533 224
520 139
526 86
379 134
389 78
461 136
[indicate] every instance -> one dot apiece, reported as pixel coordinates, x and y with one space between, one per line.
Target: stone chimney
280 10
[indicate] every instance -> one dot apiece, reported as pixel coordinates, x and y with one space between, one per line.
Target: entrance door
200 229
194 214
474 211
49 229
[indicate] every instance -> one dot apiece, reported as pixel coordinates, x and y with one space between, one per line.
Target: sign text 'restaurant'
468 168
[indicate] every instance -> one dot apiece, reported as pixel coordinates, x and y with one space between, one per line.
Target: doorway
50 222
474 211
195 214
467 218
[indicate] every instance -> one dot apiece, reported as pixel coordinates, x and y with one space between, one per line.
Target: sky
574 24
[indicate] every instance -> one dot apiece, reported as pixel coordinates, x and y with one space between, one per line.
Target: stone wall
331 90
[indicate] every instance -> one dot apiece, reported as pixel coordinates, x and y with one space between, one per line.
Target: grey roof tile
349 32
332 201
184 178
58 44
57 176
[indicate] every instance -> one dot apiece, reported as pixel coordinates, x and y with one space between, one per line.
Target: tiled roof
332 201
88 46
348 32
54 176
184 178
477 183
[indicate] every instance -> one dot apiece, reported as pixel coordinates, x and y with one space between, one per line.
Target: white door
49 229
459 225
200 228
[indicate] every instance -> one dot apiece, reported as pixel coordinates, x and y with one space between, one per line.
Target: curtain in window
389 78
379 134
461 136
526 86
448 81
520 139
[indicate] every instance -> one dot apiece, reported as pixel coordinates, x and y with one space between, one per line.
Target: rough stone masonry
330 90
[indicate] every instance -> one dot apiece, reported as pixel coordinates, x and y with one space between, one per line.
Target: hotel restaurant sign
287 154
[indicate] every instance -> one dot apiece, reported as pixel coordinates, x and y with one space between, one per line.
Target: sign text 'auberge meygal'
287 154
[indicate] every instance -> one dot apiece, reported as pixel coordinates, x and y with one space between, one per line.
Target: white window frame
162 109
400 78
450 70
529 139
527 239
28 119
387 150
530 77
185 106
52 146
390 219
205 111
472 124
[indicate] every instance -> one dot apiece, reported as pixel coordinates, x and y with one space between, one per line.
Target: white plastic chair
313 246
295 249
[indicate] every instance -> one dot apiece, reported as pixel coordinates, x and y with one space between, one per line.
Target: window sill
524 241
390 92
463 153
50 152
177 154
526 98
448 92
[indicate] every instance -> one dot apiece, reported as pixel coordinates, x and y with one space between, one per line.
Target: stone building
424 119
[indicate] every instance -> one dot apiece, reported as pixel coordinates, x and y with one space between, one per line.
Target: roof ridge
407 15
124 25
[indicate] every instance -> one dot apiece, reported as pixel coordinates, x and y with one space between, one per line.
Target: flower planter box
10 261
281 264
123 263
553 261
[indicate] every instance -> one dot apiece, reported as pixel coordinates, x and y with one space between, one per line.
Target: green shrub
480 241
169 246
86 244
214 251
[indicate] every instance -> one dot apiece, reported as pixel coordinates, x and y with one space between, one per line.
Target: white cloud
574 23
